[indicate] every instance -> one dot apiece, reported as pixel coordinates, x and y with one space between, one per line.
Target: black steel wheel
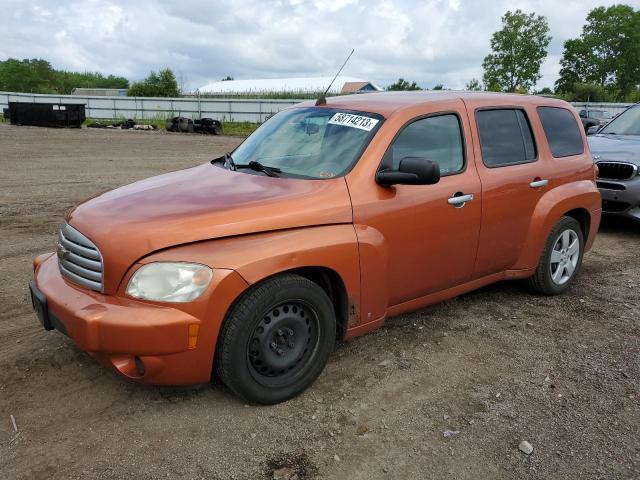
276 339
282 342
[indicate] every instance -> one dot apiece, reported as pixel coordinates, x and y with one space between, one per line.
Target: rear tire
276 339
561 258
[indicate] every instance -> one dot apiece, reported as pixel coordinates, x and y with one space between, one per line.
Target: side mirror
411 171
592 130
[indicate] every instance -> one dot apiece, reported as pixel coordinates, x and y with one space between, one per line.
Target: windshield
309 142
627 123
599 114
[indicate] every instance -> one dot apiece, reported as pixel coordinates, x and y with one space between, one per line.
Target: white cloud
429 41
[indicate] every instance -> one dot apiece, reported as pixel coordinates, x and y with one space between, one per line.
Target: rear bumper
621 197
144 341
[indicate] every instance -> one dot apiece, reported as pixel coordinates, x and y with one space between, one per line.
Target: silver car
616 151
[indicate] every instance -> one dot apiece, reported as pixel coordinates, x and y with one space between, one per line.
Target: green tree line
38 76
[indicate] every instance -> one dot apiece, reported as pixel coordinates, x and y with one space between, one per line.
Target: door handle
539 183
458 201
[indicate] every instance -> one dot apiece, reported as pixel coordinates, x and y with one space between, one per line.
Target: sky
427 41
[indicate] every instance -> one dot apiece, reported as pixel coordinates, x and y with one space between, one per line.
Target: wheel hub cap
564 257
282 340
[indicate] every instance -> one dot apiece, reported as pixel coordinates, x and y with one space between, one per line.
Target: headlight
169 282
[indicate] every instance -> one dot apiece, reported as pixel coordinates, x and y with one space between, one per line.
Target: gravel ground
446 392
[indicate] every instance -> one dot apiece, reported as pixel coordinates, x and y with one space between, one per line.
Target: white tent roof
303 84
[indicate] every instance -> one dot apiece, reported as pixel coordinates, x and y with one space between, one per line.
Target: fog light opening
139 366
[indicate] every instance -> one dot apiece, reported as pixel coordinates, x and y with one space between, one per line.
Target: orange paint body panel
116 329
393 249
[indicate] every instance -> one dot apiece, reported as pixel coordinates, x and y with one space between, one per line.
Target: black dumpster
47 114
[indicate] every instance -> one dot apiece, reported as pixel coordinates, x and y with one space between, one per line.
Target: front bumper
621 197
144 341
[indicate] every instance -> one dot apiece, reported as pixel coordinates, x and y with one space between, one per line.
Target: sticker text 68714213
354 121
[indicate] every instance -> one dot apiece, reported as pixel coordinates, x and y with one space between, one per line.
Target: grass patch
239 129
236 129
159 123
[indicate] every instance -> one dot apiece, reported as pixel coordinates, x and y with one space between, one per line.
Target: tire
556 277
276 339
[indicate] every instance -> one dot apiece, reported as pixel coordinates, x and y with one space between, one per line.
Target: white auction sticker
354 121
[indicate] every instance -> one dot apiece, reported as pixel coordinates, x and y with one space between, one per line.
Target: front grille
617 170
79 259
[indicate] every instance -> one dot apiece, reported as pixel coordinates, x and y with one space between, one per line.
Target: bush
161 84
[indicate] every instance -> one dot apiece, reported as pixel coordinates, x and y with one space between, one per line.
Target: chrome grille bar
79 259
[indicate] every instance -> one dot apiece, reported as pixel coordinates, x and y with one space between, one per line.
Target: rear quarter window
562 132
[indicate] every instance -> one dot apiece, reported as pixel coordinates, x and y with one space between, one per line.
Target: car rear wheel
276 339
561 258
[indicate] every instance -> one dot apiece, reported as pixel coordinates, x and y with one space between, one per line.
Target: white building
298 85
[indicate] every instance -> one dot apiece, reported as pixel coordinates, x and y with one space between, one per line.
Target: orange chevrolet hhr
328 219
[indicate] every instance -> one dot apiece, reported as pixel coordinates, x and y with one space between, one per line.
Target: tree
473 85
439 86
544 91
228 78
607 52
402 84
161 84
518 51
21 76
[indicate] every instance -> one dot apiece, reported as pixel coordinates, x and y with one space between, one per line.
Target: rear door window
505 137
561 130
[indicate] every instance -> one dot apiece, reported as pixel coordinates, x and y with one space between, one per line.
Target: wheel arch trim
574 199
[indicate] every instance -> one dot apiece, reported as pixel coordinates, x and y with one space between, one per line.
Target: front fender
258 256
550 208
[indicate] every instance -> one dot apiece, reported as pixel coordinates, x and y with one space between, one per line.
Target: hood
616 148
201 203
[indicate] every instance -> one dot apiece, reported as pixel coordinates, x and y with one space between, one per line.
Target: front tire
561 258
276 339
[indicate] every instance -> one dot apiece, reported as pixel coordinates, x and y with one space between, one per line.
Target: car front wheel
276 339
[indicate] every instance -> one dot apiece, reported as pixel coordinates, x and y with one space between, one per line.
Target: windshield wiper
258 167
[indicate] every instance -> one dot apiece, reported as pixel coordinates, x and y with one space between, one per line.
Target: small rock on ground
525 447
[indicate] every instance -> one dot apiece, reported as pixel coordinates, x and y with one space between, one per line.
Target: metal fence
223 109
613 108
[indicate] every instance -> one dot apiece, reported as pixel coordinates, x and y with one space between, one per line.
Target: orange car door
429 232
514 178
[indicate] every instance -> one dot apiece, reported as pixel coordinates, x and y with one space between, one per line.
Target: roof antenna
323 100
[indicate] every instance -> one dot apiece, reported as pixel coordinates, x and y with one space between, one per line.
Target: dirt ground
498 366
